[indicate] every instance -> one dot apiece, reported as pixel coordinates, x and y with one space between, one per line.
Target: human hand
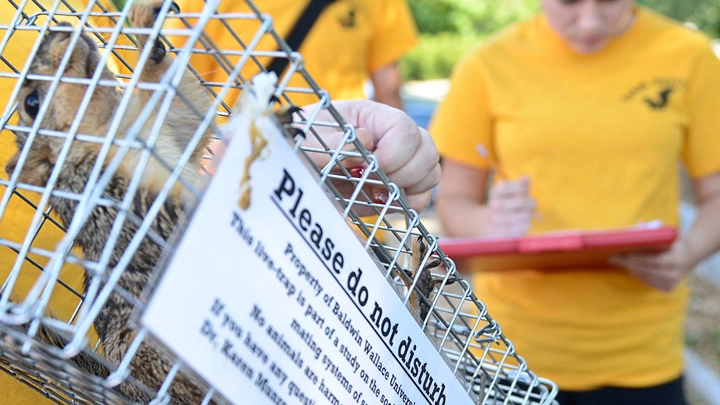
404 151
510 208
660 270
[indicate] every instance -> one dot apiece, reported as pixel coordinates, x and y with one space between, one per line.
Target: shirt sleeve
702 147
462 123
395 33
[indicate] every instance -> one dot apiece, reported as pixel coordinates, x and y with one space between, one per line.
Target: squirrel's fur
148 365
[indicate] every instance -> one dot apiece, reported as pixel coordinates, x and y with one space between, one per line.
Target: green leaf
119 4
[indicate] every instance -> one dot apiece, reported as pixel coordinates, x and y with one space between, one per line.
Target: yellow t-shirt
350 39
15 221
600 136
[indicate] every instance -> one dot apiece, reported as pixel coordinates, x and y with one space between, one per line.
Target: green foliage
478 17
432 16
435 55
705 14
119 4
469 17
450 27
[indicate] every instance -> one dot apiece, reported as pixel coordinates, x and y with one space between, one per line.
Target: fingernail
358 172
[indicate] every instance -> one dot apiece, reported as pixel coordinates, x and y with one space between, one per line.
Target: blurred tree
469 17
705 14
478 17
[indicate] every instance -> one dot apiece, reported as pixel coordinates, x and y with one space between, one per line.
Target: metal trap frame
42 272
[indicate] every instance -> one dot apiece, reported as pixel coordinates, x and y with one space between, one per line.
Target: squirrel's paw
144 15
284 115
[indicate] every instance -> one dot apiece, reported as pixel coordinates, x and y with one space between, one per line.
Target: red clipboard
555 250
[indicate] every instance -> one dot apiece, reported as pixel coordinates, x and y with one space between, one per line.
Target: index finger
396 137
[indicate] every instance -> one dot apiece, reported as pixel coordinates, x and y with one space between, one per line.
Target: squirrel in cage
149 366
42 156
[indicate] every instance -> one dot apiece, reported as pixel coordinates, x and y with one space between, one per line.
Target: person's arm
664 271
462 209
387 83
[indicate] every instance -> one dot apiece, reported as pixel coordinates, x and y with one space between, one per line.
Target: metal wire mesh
52 286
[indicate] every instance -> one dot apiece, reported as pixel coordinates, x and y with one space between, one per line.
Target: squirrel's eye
32 104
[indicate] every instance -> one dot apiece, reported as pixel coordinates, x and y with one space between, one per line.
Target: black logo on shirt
347 17
656 94
348 20
661 100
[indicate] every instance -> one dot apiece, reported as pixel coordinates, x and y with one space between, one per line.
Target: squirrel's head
56 101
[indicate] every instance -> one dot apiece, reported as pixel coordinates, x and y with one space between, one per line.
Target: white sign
278 302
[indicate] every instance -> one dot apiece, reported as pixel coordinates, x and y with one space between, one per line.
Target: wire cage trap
108 138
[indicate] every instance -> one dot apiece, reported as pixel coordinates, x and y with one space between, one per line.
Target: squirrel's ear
93 57
12 163
92 62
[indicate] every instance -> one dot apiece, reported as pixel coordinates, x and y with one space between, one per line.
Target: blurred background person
345 44
583 114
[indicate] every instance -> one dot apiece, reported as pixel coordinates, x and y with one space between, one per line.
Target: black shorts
665 394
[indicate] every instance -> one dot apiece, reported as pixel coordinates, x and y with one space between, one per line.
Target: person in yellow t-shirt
350 42
583 113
